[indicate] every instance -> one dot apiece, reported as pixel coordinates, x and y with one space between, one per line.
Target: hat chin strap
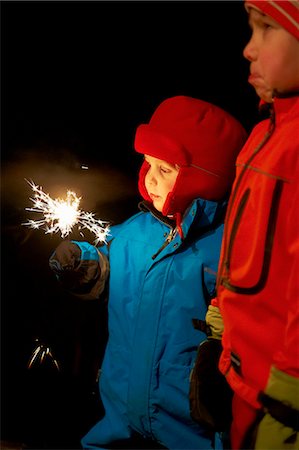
166 210
177 216
173 203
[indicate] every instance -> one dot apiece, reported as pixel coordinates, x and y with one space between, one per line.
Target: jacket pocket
248 254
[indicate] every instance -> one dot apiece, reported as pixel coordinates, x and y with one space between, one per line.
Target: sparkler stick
61 215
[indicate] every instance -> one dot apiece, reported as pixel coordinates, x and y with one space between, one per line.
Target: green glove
278 430
214 322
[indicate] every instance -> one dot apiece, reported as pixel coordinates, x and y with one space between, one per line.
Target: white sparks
61 215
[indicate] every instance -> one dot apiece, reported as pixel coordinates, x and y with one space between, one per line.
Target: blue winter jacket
156 288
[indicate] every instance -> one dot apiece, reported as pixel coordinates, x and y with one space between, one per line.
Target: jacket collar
200 216
149 207
203 215
281 103
284 106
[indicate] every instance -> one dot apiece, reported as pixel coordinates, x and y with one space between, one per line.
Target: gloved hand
210 394
64 262
280 425
214 321
80 268
66 257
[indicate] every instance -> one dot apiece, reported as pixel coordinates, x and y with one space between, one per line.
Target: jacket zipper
227 247
169 238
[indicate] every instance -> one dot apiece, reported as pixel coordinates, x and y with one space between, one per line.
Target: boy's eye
262 23
266 25
164 169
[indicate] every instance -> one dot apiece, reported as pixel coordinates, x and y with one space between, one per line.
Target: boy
257 284
160 265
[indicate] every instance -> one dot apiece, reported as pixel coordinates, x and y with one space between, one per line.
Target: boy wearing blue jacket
160 267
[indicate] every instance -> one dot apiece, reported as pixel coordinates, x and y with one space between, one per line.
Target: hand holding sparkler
81 269
60 215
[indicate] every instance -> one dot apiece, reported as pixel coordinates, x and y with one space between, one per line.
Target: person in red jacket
258 274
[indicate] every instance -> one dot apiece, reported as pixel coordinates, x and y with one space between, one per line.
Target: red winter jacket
259 272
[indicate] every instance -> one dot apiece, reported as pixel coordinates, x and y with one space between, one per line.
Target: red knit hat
285 12
202 139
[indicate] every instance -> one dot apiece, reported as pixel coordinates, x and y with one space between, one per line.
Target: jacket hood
202 139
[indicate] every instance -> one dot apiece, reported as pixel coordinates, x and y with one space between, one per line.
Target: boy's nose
152 180
151 177
249 51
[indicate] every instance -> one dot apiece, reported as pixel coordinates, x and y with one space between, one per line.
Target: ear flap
168 207
141 184
183 192
191 183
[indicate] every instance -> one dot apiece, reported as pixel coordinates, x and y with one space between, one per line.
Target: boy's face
159 180
274 56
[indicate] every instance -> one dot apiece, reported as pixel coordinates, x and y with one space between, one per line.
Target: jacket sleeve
81 269
287 359
280 425
279 428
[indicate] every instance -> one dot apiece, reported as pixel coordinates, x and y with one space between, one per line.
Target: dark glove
64 262
80 268
66 257
210 394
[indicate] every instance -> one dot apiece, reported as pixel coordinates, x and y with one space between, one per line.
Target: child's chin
264 94
158 205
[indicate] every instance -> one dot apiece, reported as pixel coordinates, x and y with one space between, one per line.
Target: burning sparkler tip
62 215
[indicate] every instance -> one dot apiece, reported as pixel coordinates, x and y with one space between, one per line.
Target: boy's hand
80 268
214 321
210 393
65 262
66 257
279 428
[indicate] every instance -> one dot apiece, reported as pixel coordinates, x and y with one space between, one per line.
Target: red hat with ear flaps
202 139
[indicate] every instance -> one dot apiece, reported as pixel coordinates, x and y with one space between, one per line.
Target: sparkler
61 215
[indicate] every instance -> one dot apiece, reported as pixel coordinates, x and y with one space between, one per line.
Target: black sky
84 74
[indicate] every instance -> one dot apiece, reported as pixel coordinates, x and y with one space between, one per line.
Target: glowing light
61 215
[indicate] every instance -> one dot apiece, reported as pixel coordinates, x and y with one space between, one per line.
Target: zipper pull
167 241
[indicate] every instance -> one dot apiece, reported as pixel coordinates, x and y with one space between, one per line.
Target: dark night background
76 80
